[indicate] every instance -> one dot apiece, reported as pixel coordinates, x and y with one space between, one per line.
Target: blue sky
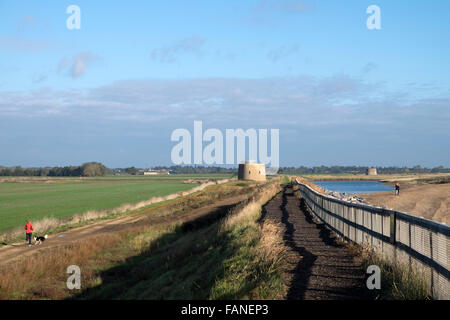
114 90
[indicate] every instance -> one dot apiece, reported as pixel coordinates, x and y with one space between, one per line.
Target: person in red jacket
29 231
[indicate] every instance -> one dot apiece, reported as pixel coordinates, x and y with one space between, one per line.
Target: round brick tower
252 171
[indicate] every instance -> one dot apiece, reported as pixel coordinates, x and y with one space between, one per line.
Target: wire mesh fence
421 244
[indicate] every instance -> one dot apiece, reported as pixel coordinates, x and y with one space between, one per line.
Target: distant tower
252 171
372 171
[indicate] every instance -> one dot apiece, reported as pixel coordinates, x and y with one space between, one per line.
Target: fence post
393 217
321 205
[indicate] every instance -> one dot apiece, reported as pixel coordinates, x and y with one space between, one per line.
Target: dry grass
253 208
398 281
256 269
44 276
308 183
272 247
272 250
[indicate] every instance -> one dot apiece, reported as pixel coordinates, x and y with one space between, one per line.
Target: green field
65 197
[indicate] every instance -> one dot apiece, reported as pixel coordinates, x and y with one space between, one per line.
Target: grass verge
398 281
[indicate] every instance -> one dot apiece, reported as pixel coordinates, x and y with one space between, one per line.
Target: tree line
92 169
196 169
89 169
360 170
176 170
294 170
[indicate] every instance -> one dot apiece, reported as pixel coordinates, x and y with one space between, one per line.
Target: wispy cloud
369 67
21 44
282 52
229 56
322 114
77 65
271 13
172 52
27 22
282 102
39 78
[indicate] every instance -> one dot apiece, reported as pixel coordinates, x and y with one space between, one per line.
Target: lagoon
354 186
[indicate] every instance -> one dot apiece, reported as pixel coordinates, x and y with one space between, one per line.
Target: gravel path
320 268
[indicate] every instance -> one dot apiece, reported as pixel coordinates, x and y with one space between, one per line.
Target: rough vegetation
398 281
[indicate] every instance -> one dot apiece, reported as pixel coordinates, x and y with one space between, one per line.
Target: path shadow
303 269
355 289
327 236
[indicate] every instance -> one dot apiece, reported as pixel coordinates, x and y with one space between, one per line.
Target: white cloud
277 102
21 44
322 114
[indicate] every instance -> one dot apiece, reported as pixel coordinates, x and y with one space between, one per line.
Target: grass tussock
228 254
286 179
398 281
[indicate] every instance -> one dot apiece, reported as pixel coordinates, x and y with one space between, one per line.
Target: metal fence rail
421 244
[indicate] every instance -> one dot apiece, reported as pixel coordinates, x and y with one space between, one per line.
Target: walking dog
39 240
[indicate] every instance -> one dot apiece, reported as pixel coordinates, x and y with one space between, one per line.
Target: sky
114 90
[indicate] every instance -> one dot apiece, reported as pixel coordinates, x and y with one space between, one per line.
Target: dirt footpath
320 268
12 252
431 201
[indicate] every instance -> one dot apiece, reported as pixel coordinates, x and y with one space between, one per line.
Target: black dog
39 239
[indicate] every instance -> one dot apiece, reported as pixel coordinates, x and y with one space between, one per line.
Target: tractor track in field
319 266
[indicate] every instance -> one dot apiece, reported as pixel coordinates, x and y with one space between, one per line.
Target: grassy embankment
227 254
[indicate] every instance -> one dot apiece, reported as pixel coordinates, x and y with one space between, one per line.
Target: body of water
354 186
